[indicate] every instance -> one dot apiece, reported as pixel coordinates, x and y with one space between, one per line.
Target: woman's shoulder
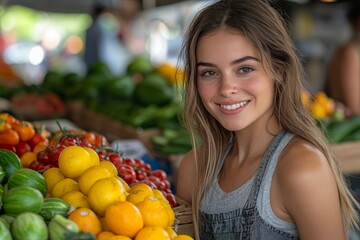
301 163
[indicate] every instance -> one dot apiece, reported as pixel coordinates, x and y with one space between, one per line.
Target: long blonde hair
264 26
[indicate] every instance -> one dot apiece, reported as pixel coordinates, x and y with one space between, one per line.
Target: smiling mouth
234 106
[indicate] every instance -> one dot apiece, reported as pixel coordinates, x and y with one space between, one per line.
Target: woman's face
232 82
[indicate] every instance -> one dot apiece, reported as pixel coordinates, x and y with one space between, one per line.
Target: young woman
263 169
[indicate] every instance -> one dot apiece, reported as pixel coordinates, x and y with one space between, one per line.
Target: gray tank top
246 213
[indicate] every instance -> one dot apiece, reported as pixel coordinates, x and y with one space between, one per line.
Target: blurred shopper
343 82
107 39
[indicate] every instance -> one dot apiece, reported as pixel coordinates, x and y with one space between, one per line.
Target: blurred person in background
343 83
109 37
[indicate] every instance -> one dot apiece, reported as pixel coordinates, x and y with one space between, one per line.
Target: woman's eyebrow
236 61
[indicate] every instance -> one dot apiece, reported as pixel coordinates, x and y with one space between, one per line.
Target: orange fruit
138 192
182 237
105 235
64 186
86 220
153 212
95 160
110 166
104 192
52 176
76 199
124 218
91 175
27 158
73 161
152 233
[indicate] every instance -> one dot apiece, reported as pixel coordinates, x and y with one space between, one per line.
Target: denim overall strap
248 213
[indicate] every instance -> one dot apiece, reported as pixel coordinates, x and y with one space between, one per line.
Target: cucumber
338 132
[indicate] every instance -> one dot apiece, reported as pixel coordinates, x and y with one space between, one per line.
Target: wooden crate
183 218
348 154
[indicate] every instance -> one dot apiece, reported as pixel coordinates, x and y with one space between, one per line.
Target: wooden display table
348 154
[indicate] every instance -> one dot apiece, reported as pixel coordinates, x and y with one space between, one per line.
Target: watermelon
5 233
10 162
22 199
29 225
28 177
53 206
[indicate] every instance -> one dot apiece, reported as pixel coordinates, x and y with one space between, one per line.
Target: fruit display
84 197
334 118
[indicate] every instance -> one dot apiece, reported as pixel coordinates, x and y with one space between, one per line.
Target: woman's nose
228 86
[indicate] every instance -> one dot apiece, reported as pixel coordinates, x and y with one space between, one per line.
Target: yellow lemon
158 194
169 211
138 192
110 166
91 175
73 161
171 232
52 176
64 186
104 192
76 199
126 185
95 160
153 213
152 233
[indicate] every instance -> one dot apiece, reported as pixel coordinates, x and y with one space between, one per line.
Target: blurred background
38 35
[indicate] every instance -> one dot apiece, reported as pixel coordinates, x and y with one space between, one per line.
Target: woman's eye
208 74
246 70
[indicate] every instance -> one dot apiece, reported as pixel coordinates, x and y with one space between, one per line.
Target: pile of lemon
104 204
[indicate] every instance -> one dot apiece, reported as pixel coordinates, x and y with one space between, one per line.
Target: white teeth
234 106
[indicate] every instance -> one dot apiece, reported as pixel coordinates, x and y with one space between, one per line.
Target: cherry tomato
130 161
172 200
140 174
127 173
159 173
115 158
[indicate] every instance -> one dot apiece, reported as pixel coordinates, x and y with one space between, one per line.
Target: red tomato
159 173
8 147
127 173
37 138
22 147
